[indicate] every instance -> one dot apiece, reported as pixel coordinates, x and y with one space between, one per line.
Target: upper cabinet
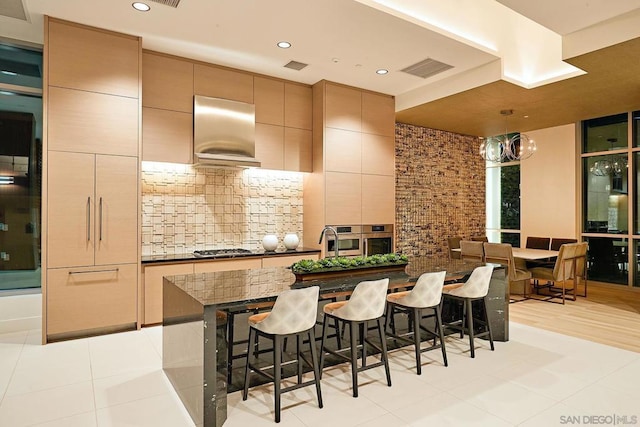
298 104
378 114
343 108
91 122
93 60
283 111
269 99
224 83
167 83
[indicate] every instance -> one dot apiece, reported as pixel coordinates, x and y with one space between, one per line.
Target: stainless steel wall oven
349 241
377 239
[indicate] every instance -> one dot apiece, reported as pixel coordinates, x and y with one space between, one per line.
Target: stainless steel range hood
223 133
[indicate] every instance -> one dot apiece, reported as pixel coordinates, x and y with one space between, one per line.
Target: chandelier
504 147
609 167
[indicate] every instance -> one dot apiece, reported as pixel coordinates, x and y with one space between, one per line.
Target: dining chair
479 238
475 288
425 295
471 251
366 305
538 242
569 263
293 314
502 253
454 243
556 243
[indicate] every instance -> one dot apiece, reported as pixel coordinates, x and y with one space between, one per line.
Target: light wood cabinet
227 265
298 105
92 214
93 60
153 275
90 298
343 108
223 83
270 146
286 261
298 150
71 209
167 136
378 114
378 154
167 83
91 180
89 122
378 199
343 151
269 100
343 195
353 178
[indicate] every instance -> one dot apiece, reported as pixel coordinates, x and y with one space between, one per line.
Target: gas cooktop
210 253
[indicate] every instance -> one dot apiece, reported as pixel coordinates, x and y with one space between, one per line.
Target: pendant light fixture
504 147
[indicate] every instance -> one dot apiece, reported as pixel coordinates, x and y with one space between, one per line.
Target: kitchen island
194 342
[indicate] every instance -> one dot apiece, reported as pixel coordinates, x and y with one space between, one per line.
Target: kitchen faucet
335 233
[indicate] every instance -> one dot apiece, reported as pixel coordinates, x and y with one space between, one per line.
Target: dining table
534 254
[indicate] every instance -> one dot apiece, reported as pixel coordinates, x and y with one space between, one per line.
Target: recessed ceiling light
284 45
382 71
142 7
9 73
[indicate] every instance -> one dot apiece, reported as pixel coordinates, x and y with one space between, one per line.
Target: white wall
548 185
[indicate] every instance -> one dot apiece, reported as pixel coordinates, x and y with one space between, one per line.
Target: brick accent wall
440 189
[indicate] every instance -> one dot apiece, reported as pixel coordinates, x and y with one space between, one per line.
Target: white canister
291 241
270 242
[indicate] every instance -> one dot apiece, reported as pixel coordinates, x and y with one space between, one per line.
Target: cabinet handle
101 219
366 247
109 270
89 219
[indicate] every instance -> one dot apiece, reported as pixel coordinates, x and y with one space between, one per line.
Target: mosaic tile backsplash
186 209
440 189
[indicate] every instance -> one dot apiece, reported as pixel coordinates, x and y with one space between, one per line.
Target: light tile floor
538 378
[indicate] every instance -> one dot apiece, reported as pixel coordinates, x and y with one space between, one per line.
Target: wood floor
609 315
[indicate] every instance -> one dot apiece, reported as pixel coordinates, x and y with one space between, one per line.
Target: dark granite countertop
228 289
157 259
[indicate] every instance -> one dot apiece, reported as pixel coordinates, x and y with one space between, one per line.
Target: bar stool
475 288
426 294
294 313
366 304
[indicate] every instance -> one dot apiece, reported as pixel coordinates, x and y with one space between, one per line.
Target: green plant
344 263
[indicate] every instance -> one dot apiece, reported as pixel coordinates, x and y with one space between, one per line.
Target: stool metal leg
441 333
354 357
363 341
316 368
299 356
383 345
322 343
470 326
247 369
277 373
416 338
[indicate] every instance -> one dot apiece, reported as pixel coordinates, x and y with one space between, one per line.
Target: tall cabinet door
116 225
71 203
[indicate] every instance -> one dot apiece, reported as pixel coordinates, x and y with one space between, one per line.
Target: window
605 190
503 202
20 166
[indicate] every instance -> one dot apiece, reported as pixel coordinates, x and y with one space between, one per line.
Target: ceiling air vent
427 68
13 9
295 65
172 3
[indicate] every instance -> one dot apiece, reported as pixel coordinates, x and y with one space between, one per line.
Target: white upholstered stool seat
294 313
425 295
366 304
475 288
